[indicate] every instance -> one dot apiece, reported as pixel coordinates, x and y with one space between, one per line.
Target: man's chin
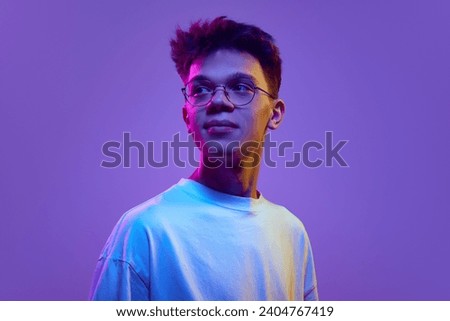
231 151
220 147
218 155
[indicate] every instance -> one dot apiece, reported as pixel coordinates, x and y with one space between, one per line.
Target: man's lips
220 123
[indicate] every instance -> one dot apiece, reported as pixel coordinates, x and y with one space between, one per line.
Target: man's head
232 74
204 38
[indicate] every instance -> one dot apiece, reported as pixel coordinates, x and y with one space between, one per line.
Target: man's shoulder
148 218
153 209
283 215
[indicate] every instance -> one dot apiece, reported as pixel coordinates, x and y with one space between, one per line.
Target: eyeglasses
239 93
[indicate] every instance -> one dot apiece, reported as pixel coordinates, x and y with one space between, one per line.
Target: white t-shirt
194 243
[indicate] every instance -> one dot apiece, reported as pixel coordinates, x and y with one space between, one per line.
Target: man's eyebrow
235 76
241 75
199 77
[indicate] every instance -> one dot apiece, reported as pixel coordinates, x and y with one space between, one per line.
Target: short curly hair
206 37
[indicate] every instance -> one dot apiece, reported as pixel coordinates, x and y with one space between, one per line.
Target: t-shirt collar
219 198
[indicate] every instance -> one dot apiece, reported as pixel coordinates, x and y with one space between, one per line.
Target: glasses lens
238 93
199 93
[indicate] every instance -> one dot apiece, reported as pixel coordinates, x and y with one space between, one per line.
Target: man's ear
277 114
186 118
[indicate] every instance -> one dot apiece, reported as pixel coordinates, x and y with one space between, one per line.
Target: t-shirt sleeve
310 281
122 270
116 280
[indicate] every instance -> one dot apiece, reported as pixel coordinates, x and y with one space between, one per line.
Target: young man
214 236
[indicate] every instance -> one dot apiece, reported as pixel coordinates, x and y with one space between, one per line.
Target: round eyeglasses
239 93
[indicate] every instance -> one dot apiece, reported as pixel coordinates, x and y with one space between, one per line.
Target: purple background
75 74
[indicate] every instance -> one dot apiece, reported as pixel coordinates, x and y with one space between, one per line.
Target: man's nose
220 101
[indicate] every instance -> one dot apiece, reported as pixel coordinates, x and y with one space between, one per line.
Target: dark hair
206 37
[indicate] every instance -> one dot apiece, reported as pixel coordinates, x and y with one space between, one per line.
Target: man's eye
241 87
200 90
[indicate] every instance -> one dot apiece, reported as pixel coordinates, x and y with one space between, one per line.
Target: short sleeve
310 281
116 280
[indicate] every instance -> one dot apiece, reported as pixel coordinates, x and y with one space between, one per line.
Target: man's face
220 120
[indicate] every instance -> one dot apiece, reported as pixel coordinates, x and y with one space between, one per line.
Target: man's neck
239 181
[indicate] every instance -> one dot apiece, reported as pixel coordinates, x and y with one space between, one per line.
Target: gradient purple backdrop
75 74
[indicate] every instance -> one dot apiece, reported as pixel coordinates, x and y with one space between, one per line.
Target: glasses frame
255 88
